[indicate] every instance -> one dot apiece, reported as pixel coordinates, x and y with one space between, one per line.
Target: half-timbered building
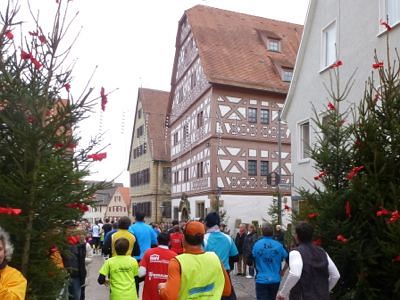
149 155
230 78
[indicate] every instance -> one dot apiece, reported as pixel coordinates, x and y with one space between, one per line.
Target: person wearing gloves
312 273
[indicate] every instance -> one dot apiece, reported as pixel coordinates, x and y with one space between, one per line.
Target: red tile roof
124 191
232 50
155 105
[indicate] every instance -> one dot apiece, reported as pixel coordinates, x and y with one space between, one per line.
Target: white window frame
325 61
385 12
300 150
271 43
287 74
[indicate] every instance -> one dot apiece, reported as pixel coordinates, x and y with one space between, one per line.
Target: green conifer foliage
356 190
41 172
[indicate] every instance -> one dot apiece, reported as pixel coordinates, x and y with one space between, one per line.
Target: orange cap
194 228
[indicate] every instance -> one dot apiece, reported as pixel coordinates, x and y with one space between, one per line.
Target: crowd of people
187 260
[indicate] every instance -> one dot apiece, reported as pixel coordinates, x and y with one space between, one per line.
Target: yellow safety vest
122 233
201 276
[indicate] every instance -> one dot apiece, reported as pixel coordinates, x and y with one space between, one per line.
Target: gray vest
314 280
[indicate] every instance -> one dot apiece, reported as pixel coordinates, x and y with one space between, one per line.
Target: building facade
230 78
149 165
119 204
349 31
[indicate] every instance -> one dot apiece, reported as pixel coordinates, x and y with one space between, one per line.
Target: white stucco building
349 31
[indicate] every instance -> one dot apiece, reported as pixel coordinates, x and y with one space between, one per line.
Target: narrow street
244 287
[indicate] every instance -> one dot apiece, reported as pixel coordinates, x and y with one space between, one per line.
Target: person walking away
121 232
195 273
220 243
96 236
12 282
268 256
122 272
154 267
239 240
144 233
107 227
312 273
74 261
249 241
176 240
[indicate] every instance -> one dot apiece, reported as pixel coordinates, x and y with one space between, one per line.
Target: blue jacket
222 244
145 237
268 255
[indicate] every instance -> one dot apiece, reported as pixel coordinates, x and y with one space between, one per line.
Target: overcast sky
133 44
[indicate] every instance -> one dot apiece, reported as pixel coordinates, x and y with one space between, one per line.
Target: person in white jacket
312 273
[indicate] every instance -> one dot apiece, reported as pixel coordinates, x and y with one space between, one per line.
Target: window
200 210
329 45
392 11
139 131
139 114
193 80
186 133
200 170
176 212
175 138
166 209
264 168
287 75
143 207
252 167
200 119
273 45
252 115
176 177
304 140
186 175
180 96
167 175
264 116
140 178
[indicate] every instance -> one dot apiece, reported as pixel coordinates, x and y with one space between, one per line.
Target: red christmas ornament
354 172
312 215
37 64
342 239
42 39
337 64
9 34
388 27
98 156
378 65
395 217
103 99
383 212
67 86
317 242
331 106
25 55
10 211
287 207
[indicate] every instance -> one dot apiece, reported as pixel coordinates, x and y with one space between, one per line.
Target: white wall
358 34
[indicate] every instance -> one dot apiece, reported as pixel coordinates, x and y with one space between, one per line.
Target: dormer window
287 74
274 45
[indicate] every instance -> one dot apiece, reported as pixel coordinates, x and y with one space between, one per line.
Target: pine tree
41 173
355 198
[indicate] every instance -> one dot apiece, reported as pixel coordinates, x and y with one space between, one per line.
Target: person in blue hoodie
144 233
